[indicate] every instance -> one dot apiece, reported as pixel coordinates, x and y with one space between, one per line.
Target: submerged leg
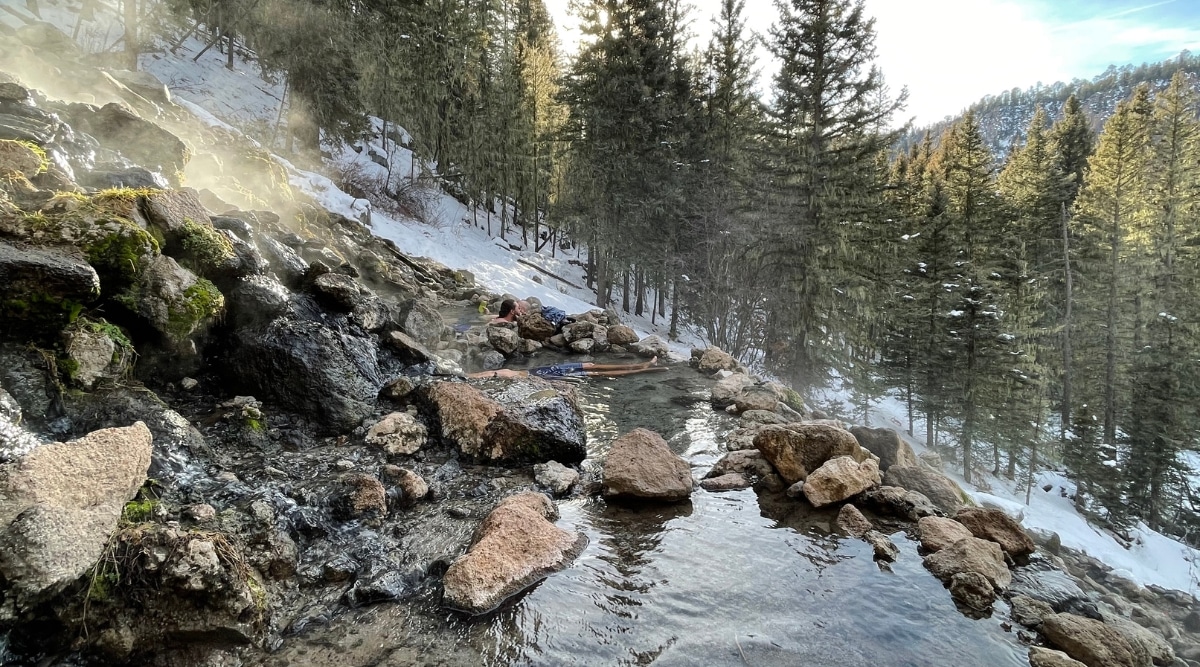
589 366
626 371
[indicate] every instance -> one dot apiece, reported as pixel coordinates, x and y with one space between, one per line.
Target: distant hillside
1005 117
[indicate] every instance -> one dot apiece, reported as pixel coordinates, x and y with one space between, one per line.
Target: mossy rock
23 157
200 303
206 250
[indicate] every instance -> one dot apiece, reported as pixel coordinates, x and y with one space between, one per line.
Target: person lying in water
574 370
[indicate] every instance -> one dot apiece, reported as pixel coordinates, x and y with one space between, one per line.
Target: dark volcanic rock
311 369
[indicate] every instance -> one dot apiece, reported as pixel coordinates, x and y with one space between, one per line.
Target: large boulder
515 547
971 555
938 533
1091 642
747 462
175 302
422 321
797 450
839 479
651 346
994 525
533 326
620 334
715 359
761 399
120 128
972 590
504 340
311 369
726 390
1144 641
941 490
895 501
887 445
528 421
60 503
641 465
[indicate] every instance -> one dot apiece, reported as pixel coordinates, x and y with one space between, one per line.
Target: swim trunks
574 369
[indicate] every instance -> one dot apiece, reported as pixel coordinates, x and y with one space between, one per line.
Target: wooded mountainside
1038 309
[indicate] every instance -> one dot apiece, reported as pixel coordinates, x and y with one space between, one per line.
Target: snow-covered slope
241 98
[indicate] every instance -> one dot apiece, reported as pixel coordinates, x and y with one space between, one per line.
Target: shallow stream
726 579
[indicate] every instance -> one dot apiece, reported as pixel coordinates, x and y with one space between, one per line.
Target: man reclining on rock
573 370
511 309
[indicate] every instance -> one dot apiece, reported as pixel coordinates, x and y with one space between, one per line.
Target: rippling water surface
725 579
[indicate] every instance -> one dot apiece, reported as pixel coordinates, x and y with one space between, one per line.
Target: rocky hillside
1005 117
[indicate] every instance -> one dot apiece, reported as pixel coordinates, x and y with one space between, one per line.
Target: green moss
201 301
206 248
138 511
69 366
120 251
105 579
126 195
256 425
39 311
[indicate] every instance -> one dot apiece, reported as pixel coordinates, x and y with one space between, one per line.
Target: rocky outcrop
938 488
60 502
515 547
40 279
797 450
939 533
887 445
641 466
839 479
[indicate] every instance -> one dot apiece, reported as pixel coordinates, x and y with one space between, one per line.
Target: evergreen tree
826 113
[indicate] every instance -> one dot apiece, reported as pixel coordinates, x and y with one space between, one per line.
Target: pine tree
827 110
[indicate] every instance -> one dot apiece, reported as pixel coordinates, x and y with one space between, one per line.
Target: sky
950 53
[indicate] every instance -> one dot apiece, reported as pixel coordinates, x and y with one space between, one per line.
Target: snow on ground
1151 559
240 97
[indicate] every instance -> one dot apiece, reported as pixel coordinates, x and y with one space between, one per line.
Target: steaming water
726 579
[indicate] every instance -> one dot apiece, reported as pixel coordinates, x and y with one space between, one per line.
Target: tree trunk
1066 334
625 291
131 34
640 289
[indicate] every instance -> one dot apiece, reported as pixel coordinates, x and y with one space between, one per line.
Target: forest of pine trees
1034 311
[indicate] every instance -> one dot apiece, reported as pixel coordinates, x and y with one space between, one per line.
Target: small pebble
189 384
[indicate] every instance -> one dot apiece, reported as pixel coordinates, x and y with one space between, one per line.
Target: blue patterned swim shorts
559 370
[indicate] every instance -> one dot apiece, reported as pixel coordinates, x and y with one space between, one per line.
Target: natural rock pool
726 579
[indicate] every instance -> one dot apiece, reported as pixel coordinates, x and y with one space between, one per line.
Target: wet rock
971 555
839 479
620 334
60 502
175 303
463 413
651 346
200 513
196 568
399 433
798 449
714 359
887 445
641 465
533 326
555 476
516 546
885 549
412 487
994 525
172 211
852 522
9 408
360 496
504 340
895 501
121 129
340 292
1044 657
726 390
938 488
1042 580
756 399
1091 642
311 369
386 586
763 417
40 275
748 462
938 533
972 590
135 178
1028 611
727 482
1144 641
22 374
423 322
583 346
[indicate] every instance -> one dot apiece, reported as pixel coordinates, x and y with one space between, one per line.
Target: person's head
508 307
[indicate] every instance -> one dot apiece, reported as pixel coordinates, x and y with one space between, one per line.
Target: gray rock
938 533
895 501
748 462
851 521
971 555
651 346
726 390
1029 612
555 476
839 479
885 549
887 445
972 590
1044 657
504 340
756 399
399 433
92 353
411 486
28 273
1091 642
422 321
714 359
583 346
727 482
